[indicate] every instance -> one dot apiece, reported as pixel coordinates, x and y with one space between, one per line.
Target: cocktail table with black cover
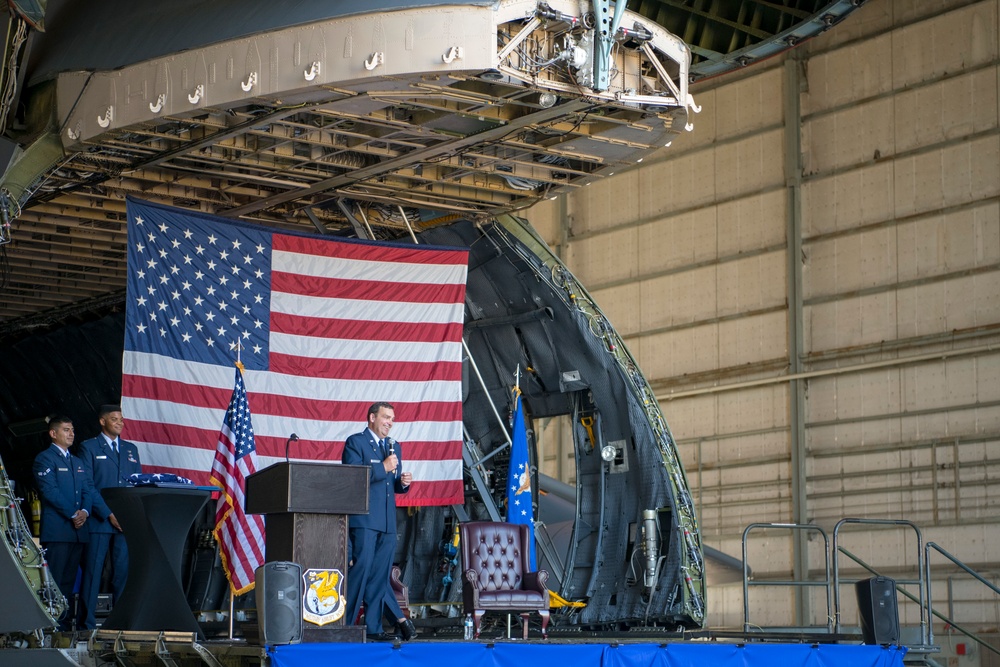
156 521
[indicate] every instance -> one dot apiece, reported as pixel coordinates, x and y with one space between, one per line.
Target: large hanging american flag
240 536
326 327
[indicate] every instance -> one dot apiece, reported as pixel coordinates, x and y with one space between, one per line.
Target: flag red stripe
244 521
372 252
236 557
196 438
241 563
172 391
351 411
200 396
376 291
347 369
422 494
320 327
447 492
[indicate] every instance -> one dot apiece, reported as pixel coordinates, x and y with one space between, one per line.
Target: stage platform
567 653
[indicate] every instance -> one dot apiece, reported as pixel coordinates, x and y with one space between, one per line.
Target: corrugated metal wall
890 196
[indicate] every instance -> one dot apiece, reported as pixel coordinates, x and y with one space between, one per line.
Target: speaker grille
877 609
279 602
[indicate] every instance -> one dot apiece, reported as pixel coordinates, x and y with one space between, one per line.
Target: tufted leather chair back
497 552
495 574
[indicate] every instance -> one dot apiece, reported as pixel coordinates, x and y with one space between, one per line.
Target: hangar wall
871 157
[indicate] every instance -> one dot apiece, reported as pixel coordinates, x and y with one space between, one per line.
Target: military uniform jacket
108 470
65 487
362 449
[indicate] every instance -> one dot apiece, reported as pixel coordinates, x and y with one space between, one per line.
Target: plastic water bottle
470 630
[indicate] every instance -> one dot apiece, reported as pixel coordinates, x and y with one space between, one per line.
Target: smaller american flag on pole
240 537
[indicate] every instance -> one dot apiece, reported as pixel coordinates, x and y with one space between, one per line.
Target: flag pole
232 598
408 227
232 589
519 474
364 219
232 605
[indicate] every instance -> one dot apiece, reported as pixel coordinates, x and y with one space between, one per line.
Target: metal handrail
908 594
927 576
924 599
746 571
920 569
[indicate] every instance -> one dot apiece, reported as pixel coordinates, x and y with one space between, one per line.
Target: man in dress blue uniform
373 535
66 492
109 460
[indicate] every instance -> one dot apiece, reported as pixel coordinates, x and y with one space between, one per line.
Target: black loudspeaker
877 610
279 602
206 584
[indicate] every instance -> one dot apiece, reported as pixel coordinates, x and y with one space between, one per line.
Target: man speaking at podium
373 535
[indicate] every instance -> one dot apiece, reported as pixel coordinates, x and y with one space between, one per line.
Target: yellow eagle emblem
324 600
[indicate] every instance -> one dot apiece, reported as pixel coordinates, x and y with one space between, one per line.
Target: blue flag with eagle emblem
519 478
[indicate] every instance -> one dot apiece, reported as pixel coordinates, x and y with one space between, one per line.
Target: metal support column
564 221
793 86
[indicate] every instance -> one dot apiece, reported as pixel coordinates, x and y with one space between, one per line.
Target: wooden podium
307 505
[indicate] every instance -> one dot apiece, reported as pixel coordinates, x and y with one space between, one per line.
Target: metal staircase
919 640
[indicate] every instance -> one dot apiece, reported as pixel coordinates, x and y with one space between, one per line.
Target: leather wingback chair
496 577
401 590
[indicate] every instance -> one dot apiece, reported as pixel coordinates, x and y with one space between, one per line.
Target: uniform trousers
368 576
64 560
93 568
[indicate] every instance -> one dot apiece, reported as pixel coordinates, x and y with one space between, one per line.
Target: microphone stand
292 438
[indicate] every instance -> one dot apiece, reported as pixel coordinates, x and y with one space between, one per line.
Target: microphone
292 438
392 452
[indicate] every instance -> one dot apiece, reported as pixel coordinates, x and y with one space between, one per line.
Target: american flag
326 326
240 537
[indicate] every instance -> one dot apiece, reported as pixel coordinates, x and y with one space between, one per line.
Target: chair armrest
470 591
536 581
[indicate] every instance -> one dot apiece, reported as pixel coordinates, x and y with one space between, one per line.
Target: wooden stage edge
699 648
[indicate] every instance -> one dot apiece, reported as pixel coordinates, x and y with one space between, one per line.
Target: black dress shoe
406 629
381 637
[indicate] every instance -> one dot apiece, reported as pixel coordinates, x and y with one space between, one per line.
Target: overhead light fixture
608 453
547 100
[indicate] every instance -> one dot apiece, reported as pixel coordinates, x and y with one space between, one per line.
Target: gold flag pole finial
239 362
